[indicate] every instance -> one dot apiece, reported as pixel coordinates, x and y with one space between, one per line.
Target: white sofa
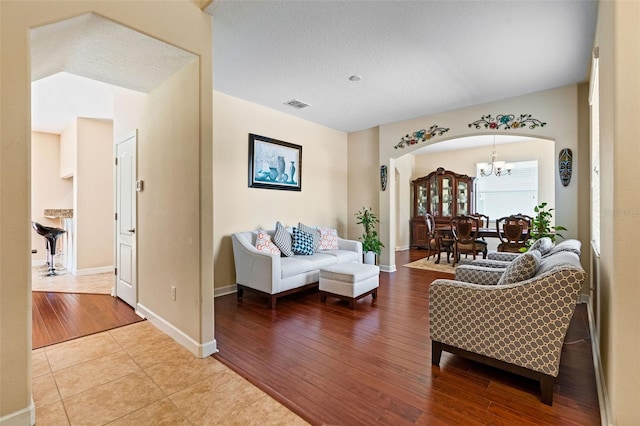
277 276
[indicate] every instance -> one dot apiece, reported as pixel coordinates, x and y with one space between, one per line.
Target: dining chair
513 232
465 230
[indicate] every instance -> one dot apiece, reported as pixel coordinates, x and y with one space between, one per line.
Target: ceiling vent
294 103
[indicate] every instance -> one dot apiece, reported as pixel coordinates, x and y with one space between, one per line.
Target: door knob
132 230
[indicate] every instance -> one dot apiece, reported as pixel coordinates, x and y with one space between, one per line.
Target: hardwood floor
58 317
372 365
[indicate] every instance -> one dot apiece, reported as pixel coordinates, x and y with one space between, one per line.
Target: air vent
296 104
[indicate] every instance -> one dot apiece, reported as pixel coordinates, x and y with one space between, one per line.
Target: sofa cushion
265 245
313 231
543 245
295 265
320 260
522 268
328 239
344 256
282 239
302 242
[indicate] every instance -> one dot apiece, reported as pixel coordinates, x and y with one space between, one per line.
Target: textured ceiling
97 48
415 57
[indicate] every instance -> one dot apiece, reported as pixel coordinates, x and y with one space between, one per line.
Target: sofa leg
436 352
239 292
546 388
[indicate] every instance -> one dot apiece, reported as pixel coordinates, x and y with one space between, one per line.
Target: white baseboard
222 291
403 248
26 416
91 271
388 268
603 396
200 350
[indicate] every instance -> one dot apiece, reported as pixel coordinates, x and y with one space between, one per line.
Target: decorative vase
280 168
369 258
292 173
273 174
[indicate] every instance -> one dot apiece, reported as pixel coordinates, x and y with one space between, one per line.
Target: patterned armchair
519 327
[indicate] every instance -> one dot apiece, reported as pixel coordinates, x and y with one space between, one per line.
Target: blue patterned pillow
302 242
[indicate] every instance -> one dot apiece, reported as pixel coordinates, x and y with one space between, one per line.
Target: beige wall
405 167
93 196
180 23
128 107
618 40
48 190
167 229
69 150
363 176
322 201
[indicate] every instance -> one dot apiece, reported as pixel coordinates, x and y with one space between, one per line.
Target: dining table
443 230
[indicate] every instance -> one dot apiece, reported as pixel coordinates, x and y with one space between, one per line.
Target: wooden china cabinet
442 193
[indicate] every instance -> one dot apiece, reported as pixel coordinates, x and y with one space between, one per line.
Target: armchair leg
436 352
546 388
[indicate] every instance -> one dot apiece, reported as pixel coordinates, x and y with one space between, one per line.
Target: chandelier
496 167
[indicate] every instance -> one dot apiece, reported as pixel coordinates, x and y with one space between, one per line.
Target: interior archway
461 155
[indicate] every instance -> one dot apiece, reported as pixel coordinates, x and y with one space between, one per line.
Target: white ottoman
349 281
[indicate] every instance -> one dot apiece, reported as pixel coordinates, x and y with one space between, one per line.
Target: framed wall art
274 164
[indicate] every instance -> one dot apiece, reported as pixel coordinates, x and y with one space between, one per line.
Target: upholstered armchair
519 327
544 245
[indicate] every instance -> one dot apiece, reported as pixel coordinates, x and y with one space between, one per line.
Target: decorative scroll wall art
565 166
507 121
421 136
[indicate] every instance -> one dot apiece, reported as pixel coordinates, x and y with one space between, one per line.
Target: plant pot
369 258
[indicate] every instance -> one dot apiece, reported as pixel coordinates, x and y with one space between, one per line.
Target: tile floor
69 283
137 375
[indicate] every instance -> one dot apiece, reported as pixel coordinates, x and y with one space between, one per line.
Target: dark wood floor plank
58 317
372 365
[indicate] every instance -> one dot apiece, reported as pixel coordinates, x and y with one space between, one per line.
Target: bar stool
51 235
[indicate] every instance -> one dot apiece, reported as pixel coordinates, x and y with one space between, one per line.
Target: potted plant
371 245
541 226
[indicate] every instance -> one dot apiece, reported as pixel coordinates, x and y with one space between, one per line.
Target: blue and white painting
274 164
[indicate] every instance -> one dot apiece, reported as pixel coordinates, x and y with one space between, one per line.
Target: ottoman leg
323 297
374 294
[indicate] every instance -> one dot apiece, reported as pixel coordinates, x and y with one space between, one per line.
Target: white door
126 270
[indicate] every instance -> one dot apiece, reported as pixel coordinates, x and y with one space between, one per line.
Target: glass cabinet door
421 199
463 198
434 196
447 196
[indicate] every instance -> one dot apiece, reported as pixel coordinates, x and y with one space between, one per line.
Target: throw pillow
543 245
282 239
265 245
521 268
328 239
314 232
302 242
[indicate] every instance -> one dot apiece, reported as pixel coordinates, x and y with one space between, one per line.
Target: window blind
499 196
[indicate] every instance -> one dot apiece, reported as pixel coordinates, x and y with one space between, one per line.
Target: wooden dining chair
465 230
513 232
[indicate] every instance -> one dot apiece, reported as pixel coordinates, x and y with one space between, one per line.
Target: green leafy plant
368 220
541 226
